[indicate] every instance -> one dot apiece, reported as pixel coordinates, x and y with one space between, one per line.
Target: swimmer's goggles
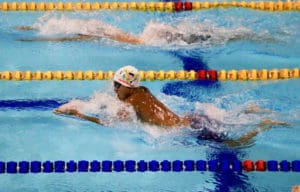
117 85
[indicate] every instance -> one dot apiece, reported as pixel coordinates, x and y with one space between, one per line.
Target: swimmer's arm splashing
61 39
122 37
262 126
75 113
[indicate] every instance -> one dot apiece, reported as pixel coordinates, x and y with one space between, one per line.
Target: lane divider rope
211 75
147 6
72 166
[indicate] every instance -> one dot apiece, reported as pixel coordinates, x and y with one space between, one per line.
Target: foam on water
154 33
103 105
59 25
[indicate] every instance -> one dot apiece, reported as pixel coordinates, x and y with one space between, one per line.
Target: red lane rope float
178 6
248 165
260 165
188 6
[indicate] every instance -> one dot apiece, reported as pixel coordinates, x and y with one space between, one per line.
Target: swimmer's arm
256 109
25 28
75 113
61 39
120 38
124 38
89 118
262 126
73 38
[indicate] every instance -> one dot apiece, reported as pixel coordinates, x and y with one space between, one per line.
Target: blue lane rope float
24 167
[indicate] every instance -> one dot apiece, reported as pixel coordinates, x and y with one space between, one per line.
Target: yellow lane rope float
211 75
147 6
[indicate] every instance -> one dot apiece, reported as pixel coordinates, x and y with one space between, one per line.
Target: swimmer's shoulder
141 90
144 89
139 94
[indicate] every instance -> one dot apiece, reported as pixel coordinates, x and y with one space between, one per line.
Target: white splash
103 105
207 34
211 111
59 25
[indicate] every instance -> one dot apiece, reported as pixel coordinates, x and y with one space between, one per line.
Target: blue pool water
30 131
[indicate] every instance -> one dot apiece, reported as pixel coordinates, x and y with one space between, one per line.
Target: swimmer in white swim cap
152 111
128 76
121 36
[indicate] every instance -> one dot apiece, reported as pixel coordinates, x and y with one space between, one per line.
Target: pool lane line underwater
211 75
72 166
148 6
45 104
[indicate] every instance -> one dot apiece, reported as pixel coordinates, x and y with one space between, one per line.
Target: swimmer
122 37
154 33
151 111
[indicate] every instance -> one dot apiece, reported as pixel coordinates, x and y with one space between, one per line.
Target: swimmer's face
121 91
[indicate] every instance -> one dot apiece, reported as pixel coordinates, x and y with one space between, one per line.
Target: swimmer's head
127 76
172 37
193 38
187 38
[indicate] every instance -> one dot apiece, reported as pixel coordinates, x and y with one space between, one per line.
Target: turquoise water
30 131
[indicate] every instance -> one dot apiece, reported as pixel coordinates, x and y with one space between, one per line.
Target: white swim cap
127 76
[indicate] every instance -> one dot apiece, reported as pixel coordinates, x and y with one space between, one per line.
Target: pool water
241 39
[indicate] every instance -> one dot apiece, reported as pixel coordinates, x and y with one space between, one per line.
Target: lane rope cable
148 6
23 167
205 75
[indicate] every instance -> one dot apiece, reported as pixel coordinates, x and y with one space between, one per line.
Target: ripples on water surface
240 39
